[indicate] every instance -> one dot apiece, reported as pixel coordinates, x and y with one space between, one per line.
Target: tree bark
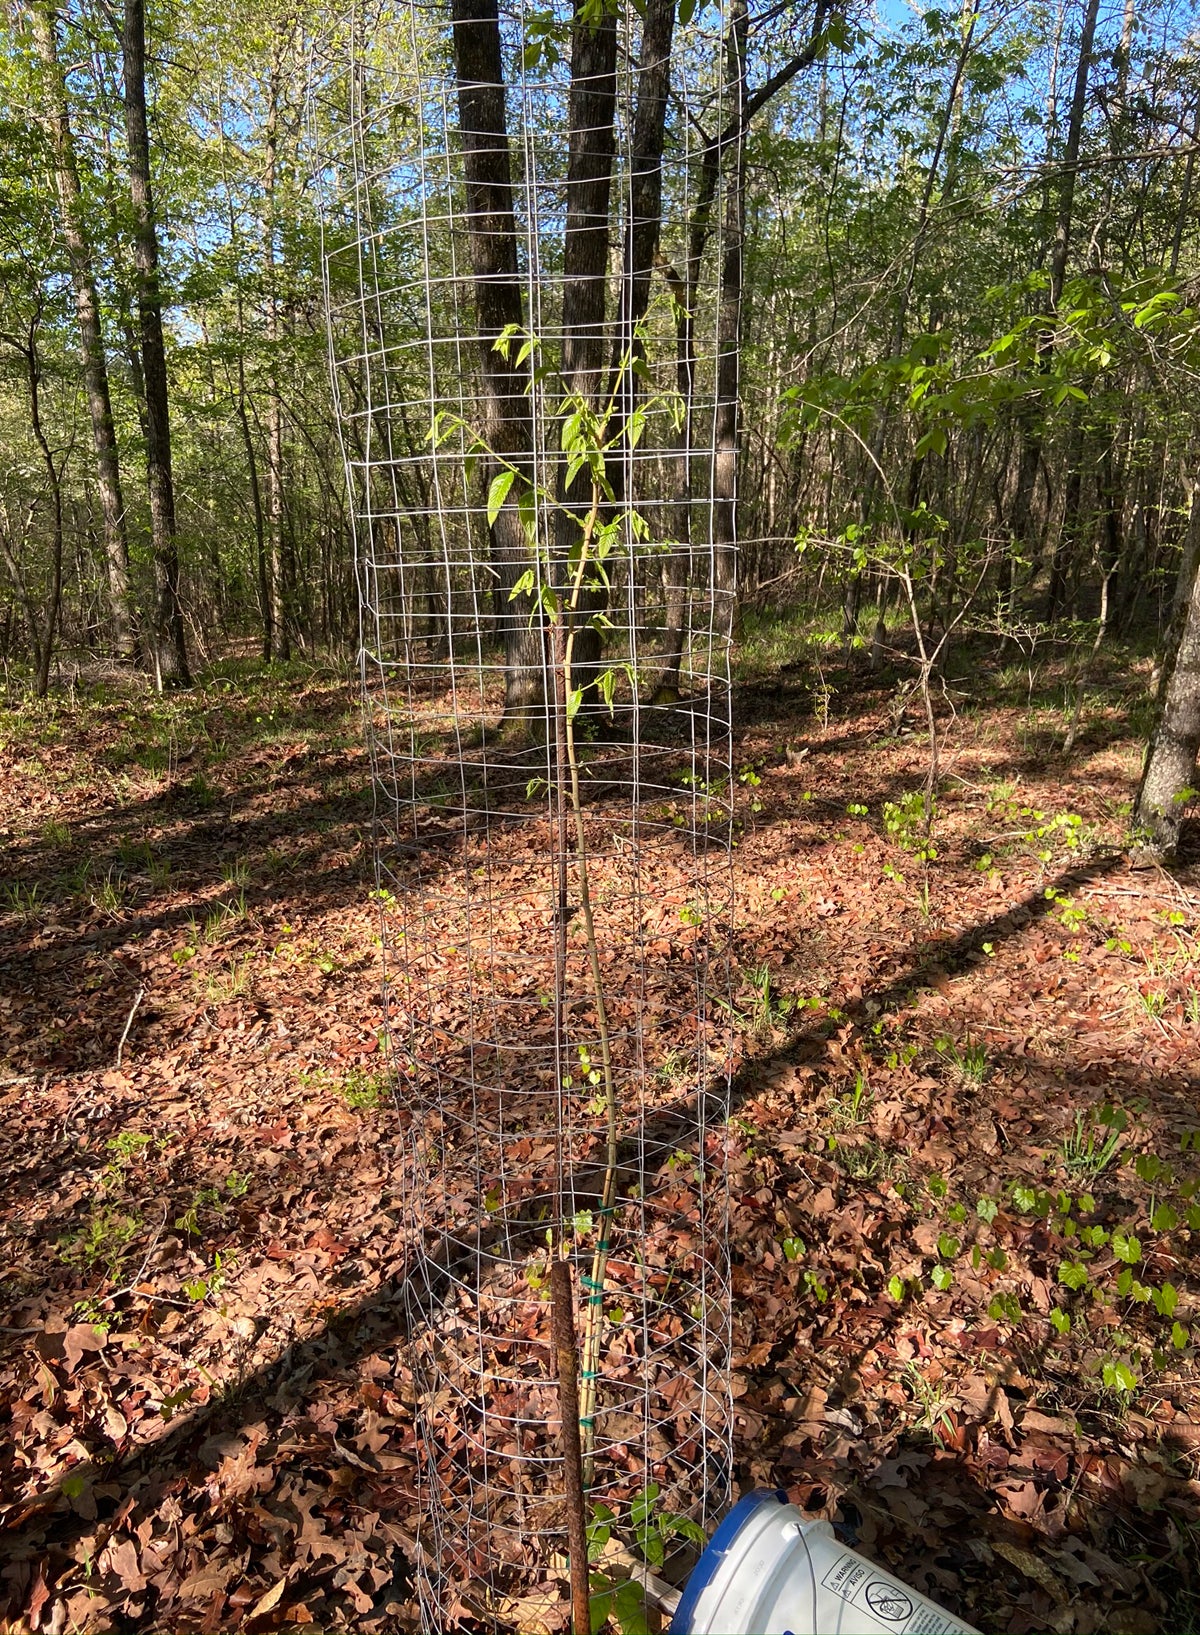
1060 249
1170 767
91 341
41 637
644 217
591 110
507 430
727 420
278 644
170 656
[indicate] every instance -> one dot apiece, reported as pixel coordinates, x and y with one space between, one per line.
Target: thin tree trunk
507 431
91 341
280 645
727 419
170 658
41 636
54 479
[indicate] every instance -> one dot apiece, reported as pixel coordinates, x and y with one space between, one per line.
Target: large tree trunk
91 341
644 219
1170 767
591 109
170 658
1060 249
507 431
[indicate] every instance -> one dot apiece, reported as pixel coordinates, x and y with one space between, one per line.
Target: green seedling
1089 1150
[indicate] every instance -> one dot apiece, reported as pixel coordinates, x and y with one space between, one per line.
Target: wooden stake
562 1328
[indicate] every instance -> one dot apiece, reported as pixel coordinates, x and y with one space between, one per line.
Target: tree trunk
54 480
644 219
1171 755
507 431
1060 248
278 622
170 656
41 637
91 341
591 110
727 419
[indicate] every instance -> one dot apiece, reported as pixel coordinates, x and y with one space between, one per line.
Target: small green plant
909 823
866 1160
111 894
767 1009
56 834
849 1109
102 1242
235 981
1088 1148
1070 914
1119 1377
675 1068
362 1091
213 1281
159 870
750 778
224 918
126 1148
204 793
967 1062
653 1527
189 1221
932 1409
26 900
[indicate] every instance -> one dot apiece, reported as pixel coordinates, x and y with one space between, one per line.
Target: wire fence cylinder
547 576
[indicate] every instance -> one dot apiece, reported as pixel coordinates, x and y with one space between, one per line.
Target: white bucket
769 1570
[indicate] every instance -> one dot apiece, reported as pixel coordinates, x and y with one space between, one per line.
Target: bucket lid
715 1551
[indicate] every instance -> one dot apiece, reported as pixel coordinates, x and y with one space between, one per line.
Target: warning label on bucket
892 1607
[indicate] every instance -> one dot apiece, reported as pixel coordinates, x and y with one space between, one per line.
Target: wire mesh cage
526 241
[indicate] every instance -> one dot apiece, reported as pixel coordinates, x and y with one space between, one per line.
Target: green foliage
909 823
1089 1148
103 1241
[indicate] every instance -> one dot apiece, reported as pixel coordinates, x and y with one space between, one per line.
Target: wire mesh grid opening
525 237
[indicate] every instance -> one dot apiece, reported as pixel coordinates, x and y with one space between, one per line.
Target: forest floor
966 1176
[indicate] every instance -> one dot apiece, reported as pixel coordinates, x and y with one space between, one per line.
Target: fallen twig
137 999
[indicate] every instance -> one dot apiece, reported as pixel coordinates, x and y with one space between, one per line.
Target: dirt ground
965 1173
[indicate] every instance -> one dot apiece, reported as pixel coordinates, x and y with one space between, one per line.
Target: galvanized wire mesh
493 1010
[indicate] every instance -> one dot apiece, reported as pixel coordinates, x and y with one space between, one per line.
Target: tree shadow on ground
103 1502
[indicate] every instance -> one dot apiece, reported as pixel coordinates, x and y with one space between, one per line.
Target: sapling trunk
594 1283
562 1325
